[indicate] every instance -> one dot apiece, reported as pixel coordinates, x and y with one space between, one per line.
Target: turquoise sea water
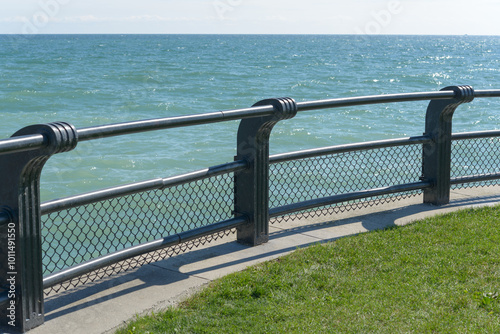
98 79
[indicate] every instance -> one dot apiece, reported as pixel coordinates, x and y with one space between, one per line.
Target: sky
413 17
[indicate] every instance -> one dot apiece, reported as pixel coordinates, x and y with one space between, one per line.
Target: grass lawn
438 275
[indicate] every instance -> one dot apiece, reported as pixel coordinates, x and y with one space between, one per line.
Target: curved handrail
37 141
117 129
375 99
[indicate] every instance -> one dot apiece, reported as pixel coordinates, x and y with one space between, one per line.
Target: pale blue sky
479 17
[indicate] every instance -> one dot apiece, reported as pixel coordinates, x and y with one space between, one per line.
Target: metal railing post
21 274
437 154
252 184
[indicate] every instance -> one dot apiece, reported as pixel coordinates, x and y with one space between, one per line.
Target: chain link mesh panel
79 234
300 180
82 233
474 157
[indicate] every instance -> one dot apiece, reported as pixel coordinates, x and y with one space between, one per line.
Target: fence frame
23 156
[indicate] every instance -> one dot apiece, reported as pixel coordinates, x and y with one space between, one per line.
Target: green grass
439 275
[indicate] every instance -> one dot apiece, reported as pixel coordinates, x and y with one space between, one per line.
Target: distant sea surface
91 80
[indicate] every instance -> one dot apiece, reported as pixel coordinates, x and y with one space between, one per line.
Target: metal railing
64 242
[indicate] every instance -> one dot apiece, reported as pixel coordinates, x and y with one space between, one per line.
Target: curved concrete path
105 305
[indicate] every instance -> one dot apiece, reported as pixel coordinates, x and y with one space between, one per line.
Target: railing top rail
22 143
37 141
156 124
374 99
117 129
487 93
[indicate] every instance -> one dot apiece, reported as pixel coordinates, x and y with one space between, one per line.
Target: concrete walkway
105 305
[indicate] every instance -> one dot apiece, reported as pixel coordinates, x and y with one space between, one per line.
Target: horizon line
238 34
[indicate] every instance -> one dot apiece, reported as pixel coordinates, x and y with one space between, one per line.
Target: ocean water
91 80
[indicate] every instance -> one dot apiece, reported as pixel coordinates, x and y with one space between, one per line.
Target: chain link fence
475 157
309 178
90 236
79 234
